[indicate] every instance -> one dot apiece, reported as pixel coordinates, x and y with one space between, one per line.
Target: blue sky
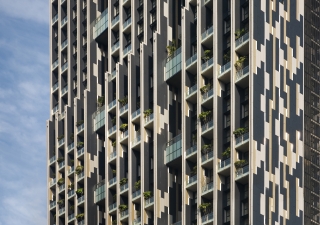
24 109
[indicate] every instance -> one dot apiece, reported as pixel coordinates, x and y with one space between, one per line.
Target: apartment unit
183 112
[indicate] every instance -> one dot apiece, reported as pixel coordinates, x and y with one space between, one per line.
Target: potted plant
72 208
80 216
207 55
114 222
60 137
239 33
226 57
204 207
80 192
137 185
239 63
206 148
80 144
204 116
71 137
147 195
240 131
240 163
205 88
123 208
226 153
123 181
147 113
123 127
60 159
61 181
123 101
100 101
79 169
114 172
79 123
60 202
171 48
114 144
193 171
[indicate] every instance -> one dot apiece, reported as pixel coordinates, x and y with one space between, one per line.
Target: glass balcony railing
64 21
71 193
71 217
71 170
81 175
136 194
81 199
177 223
53 181
124 187
136 114
99 192
61 211
115 46
127 50
126 23
136 140
173 64
64 67
242 73
61 142
124 134
207 33
61 165
62 187
137 221
242 171
192 179
112 104
55 19
112 181
80 152
62 1
124 213
55 86
100 24
242 39
207 187
64 90
71 146
206 218
112 206
55 64
112 129
191 90
52 159
207 156
191 60
113 74
207 64
225 68
55 109
149 201
242 138
207 95
224 163
112 155
123 109
82 222
115 20
53 204
64 44
191 150
80 128
173 148
148 118
207 126
99 118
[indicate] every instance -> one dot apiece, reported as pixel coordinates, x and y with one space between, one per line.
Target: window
226 26
246 94
226 121
228 104
228 200
153 17
116 11
228 42
245 208
246 191
227 180
226 215
227 89
245 12
245 110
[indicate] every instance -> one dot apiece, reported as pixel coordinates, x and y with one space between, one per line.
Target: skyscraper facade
183 112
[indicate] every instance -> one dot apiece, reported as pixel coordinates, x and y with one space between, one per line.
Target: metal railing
127 50
242 171
55 19
124 187
207 64
52 159
207 156
242 39
225 68
191 90
64 67
136 140
242 138
191 150
115 20
115 46
55 86
192 179
123 109
112 104
207 187
80 152
126 23
71 146
191 60
224 163
64 44
61 142
112 206
61 165
135 113
81 199
242 73
113 180
80 127
64 21
62 210
112 155
124 213
112 75
136 194
207 126
64 90
149 118
112 129
149 201
207 217
55 64
207 95
207 33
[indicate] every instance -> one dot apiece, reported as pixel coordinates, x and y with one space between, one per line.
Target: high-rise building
184 112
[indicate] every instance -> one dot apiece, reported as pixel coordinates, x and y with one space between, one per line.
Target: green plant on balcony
60 159
114 120
226 57
240 131
80 192
60 181
114 144
171 48
137 185
123 101
226 153
239 63
71 137
60 202
205 207
147 194
147 112
60 137
100 101
205 116
79 123
206 148
193 171
239 33
79 169
123 208
80 216
205 88
207 55
71 208
123 127
114 222
114 198
240 163
80 144
114 172
123 181
194 139
72 161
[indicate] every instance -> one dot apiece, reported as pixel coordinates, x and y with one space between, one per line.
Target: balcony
112 104
61 165
224 166
173 64
100 25
124 214
71 193
207 37
52 204
55 109
207 188
177 223
242 142
62 211
173 149
80 200
124 109
112 75
99 119
224 72
136 195
115 47
136 141
207 157
241 41
61 142
55 19
137 221
112 207
148 202
99 192
55 87
53 182
80 152
71 217
191 63
115 21
126 24
127 50
148 121
191 93
71 147
207 65
64 21
71 170
62 187
64 67
80 176
135 114
64 90
64 44
206 219
80 128
112 181
206 127
192 182
241 174
124 187
52 159
191 152
208 95
81 222
112 130
124 135
112 155
242 77
55 64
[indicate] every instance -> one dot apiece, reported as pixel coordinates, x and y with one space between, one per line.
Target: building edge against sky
160 114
